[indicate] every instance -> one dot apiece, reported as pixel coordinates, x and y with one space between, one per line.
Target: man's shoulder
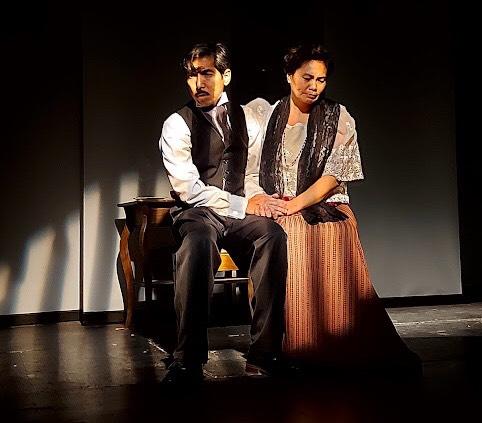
175 124
183 110
180 112
173 118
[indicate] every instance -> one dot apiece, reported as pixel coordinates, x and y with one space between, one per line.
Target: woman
310 152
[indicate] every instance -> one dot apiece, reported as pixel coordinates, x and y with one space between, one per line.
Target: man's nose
199 81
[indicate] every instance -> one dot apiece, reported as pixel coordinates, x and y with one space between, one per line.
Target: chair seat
227 279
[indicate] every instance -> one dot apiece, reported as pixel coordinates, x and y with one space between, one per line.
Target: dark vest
219 165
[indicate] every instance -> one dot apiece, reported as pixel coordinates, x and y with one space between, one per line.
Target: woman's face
308 82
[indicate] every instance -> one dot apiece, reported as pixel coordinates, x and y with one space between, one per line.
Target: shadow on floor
73 373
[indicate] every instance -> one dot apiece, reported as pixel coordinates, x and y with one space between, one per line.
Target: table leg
128 274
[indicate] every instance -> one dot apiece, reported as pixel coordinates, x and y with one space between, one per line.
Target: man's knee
194 226
199 237
275 232
271 235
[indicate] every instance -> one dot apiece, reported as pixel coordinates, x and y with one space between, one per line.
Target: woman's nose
313 85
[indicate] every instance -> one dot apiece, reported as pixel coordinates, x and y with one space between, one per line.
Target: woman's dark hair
296 56
218 51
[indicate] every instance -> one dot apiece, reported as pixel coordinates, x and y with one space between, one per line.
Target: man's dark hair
296 56
218 51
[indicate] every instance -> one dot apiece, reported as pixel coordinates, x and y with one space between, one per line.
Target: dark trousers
258 241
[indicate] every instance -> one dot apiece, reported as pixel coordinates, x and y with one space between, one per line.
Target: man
205 149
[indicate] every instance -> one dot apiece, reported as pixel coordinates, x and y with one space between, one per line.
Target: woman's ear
288 78
227 77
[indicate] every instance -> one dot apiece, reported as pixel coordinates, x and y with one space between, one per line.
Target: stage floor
68 372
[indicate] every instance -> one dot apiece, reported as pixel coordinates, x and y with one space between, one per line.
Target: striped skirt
332 312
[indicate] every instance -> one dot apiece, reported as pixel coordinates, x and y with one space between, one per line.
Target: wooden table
147 242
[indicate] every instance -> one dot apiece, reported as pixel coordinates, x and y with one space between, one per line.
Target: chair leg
230 293
245 299
174 268
148 286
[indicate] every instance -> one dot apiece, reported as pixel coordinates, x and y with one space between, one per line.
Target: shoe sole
253 370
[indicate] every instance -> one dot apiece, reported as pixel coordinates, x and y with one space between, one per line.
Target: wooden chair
227 275
146 254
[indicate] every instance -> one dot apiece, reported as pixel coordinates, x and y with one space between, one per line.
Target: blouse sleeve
344 162
259 111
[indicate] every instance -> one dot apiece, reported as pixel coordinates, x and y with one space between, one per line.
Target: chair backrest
227 263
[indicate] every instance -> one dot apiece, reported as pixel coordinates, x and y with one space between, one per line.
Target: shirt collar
222 100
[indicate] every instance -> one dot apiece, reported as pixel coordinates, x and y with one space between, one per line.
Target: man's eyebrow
193 71
201 69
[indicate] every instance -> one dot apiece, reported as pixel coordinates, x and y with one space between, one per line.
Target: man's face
206 83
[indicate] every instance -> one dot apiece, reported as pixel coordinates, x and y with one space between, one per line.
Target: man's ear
288 78
227 77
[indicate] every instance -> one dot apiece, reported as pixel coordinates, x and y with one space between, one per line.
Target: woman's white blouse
344 162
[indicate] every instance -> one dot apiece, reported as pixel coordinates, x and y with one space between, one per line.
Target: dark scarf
322 127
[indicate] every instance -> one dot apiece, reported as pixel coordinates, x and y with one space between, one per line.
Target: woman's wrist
297 204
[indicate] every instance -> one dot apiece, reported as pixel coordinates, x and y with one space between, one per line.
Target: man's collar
222 100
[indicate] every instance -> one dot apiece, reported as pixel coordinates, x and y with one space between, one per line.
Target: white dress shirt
175 145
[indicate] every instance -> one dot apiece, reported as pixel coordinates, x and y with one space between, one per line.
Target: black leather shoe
180 374
252 369
263 367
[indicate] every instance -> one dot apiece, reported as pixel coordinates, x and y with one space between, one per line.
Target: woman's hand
314 194
293 206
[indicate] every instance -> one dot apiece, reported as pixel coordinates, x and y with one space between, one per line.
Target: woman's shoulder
260 105
345 115
334 103
346 122
260 108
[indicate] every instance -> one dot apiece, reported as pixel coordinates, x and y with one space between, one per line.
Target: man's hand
266 205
